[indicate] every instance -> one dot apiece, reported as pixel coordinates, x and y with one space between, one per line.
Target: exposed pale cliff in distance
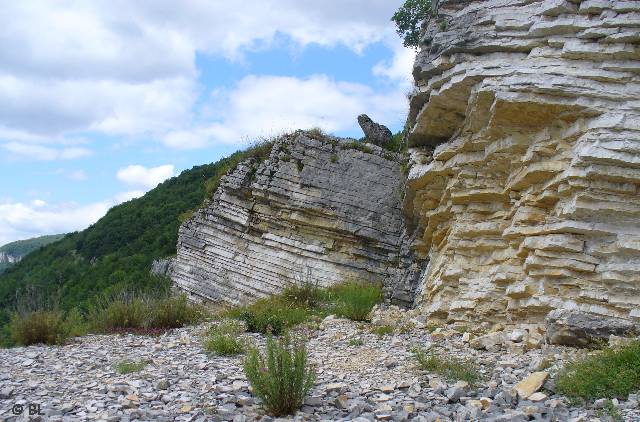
524 184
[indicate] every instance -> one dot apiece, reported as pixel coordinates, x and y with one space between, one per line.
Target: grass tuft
609 373
451 368
270 316
357 145
355 300
222 340
281 377
127 366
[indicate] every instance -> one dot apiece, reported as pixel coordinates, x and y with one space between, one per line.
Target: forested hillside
15 251
116 252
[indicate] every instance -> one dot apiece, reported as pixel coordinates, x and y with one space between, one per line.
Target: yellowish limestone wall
524 182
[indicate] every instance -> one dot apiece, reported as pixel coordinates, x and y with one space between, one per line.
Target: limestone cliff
524 185
318 208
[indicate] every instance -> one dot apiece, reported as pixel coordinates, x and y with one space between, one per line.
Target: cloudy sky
102 100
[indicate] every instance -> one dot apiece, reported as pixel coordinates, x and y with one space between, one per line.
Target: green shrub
75 323
396 145
128 311
282 377
449 367
355 300
271 316
609 373
173 312
122 312
306 294
222 340
127 366
316 133
47 327
223 345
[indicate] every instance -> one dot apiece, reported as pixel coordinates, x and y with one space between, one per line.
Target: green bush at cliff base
354 300
608 373
271 316
299 304
281 377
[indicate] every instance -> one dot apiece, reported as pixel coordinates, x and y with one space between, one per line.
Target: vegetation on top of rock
408 20
282 376
608 373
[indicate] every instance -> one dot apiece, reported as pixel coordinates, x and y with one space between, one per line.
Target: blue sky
99 104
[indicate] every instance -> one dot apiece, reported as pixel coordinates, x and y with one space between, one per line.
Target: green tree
408 20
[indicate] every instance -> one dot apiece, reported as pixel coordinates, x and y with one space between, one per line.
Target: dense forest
20 248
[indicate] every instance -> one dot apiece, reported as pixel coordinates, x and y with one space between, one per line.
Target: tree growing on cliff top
408 20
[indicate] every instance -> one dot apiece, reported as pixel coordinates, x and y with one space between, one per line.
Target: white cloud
46 108
400 68
43 153
267 105
137 175
22 221
19 220
128 68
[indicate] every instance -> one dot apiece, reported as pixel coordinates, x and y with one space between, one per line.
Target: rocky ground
361 377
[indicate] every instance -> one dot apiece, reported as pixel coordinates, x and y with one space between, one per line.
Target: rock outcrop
575 328
319 209
374 132
524 185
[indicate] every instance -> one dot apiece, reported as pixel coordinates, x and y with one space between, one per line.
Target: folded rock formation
524 185
319 209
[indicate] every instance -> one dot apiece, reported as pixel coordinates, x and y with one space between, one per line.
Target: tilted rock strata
524 188
318 209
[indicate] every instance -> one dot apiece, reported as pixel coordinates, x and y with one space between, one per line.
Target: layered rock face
319 209
524 185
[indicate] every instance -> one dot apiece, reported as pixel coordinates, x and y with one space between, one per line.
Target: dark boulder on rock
578 328
374 132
